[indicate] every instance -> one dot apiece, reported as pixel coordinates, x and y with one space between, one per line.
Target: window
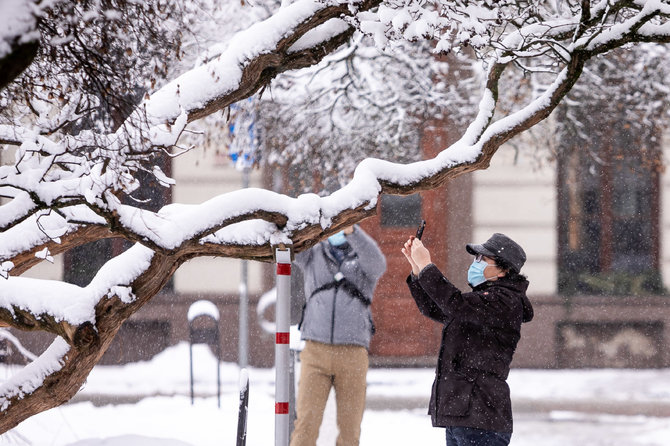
629 344
81 264
138 340
400 211
608 217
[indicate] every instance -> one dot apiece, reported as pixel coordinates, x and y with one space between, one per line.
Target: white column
282 338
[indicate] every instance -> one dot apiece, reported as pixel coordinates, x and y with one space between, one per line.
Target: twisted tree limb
87 341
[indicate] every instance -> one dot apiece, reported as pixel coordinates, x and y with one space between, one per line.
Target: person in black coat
470 395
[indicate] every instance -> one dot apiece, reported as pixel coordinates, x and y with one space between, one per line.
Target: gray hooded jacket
334 316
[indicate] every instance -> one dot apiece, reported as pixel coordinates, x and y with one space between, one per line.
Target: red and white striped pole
282 319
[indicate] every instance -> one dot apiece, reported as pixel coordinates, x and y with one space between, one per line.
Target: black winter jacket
480 334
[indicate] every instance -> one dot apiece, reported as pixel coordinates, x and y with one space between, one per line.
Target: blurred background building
595 229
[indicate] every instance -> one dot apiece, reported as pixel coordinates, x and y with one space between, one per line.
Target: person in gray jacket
340 275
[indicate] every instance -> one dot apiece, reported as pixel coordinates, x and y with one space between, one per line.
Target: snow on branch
168 110
63 185
32 376
173 105
56 306
90 168
291 29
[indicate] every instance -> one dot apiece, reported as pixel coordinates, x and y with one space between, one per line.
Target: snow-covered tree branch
77 152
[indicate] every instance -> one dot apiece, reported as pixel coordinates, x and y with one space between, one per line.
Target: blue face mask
337 239
476 273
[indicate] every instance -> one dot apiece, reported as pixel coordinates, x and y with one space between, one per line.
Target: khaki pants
344 367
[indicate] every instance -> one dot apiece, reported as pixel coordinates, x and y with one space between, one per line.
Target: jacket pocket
455 396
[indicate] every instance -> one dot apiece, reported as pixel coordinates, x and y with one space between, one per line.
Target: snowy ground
148 404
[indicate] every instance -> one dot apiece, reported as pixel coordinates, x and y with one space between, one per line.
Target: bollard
196 335
282 339
296 345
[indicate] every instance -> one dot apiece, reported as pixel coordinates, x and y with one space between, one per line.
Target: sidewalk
390 403
552 407
536 406
605 391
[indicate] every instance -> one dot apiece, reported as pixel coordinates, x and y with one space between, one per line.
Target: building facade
596 233
597 251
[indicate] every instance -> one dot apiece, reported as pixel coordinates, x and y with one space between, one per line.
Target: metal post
219 357
190 356
282 339
243 342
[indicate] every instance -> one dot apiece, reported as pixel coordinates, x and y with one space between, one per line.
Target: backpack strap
350 288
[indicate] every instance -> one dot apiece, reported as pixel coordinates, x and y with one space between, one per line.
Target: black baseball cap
499 246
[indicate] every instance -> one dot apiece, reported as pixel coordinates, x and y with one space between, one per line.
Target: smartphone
419 230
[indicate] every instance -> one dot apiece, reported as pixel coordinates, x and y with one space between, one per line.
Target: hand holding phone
419 230
417 254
